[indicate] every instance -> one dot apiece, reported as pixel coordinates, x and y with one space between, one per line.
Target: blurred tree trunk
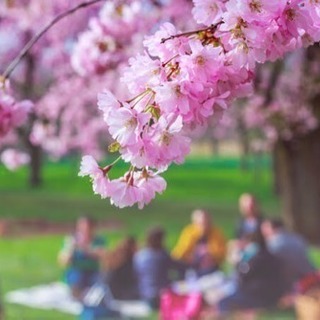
276 171
244 145
35 166
35 152
298 168
299 182
215 144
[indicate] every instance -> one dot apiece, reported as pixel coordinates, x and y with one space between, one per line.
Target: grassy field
212 184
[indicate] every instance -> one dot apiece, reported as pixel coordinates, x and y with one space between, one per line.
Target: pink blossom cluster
283 119
116 34
48 66
134 187
110 36
184 79
67 119
261 30
30 15
12 113
13 159
289 113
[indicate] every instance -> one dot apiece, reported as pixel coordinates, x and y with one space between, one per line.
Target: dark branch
30 44
212 29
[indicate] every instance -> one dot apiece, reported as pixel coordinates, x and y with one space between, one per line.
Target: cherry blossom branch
212 28
34 39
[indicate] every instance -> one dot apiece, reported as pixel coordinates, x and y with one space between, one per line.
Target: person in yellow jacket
201 240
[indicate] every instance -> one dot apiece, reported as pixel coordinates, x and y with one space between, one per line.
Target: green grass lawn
212 184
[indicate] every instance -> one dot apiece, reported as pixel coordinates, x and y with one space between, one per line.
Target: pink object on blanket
174 306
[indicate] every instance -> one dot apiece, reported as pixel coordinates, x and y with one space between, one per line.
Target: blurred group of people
266 261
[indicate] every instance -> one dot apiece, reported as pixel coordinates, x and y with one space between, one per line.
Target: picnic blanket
214 287
56 296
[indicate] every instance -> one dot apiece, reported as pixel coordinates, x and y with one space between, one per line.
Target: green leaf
154 111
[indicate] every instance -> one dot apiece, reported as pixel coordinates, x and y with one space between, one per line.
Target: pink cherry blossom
107 103
123 192
144 153
100 183
142 72
13 159
125 124
149 183
204 62
173 144
207 11
172 97
165 51
12 113
94 52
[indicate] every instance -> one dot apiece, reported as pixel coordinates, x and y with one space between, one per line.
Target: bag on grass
180 307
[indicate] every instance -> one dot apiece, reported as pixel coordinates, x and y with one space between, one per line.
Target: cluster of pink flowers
289 113
184 79
116 33
110 37
48 65
281 120
14 159
12 113
134 187
67 120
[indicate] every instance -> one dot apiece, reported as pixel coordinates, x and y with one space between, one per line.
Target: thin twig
190 33
33 40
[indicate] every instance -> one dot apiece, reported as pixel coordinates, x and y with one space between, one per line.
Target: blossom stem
190 33
150 99
107 168
139 96
165 63
37 36
115 161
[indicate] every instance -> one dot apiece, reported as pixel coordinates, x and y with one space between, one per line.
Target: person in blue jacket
153 265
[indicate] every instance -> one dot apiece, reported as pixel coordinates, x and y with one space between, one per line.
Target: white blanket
214 286
56 296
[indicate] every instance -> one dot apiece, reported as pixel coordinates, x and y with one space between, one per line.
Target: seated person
250 222
153 266
203 261
290 249
80 255
119 270
250 215
201 244
259 278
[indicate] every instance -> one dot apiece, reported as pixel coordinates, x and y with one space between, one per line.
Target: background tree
287 116
68 66
182 81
